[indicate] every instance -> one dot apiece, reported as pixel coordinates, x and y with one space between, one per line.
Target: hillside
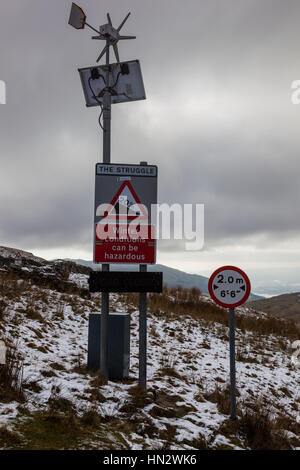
172 277
282 306
48 400
8 253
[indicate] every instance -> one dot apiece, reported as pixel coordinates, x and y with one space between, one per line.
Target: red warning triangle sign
126 204
18 257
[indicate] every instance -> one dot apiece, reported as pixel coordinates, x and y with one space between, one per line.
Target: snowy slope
188 370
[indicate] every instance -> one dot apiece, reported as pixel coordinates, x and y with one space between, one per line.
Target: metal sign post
232 364
106 111
105 267
143 336
104 329
230 287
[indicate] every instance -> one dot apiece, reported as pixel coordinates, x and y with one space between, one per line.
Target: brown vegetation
11 376
177 302
258 431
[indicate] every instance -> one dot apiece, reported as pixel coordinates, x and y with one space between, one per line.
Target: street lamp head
77 17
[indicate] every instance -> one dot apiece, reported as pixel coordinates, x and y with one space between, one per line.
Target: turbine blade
116 52
123 22
108 19
102 53
127 37
91 27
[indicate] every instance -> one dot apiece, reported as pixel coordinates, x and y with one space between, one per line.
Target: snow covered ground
188 371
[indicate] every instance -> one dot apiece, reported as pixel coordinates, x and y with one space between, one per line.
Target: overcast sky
218 121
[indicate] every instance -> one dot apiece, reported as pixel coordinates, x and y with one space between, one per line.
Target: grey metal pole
232 364
105 267
106 111
143 336
104 329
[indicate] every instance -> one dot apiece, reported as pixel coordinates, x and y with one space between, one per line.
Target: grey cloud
218 119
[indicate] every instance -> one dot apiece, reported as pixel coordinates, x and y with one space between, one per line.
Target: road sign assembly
124 195
18 259
229 286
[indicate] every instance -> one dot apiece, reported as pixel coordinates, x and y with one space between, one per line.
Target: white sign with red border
229 286
124 197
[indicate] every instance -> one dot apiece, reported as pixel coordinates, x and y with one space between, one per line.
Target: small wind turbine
106 32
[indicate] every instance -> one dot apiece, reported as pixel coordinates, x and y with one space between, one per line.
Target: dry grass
138 399
179 302
15 285
258 431
166 406
11 376
221 397
58 403
261 433
91 417
167 367
3 308
48 431
8 438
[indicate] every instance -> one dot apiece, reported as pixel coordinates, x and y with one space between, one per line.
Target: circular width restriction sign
229 286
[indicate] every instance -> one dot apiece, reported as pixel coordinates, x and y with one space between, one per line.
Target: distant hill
6 252
282 306
172 277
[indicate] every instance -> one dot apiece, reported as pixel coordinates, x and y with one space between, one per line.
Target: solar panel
125 82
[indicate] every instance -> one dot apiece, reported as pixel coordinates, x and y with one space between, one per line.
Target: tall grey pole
232 364
143 336
105 267
106 110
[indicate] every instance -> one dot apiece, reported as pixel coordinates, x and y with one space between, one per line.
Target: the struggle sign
127 170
